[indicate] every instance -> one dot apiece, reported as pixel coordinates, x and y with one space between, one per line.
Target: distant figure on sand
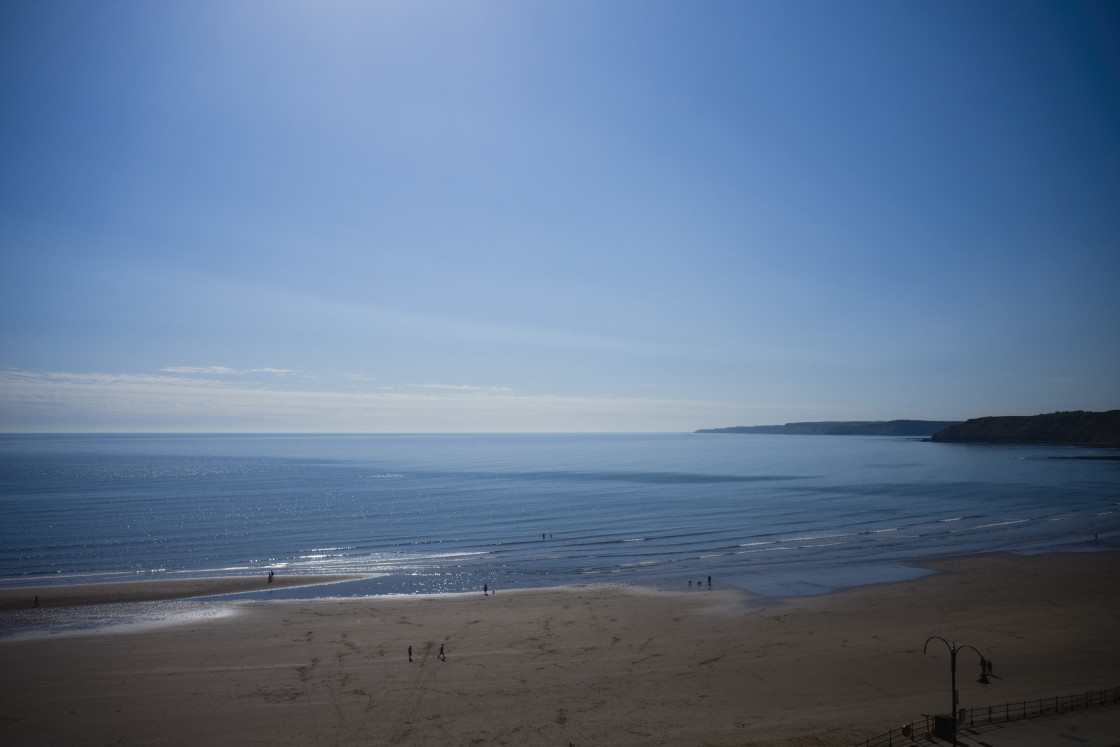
36 600
410 653
485 589
441 654
709 582
270 574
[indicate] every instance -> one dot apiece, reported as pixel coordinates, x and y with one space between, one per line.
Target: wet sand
153 590
596 665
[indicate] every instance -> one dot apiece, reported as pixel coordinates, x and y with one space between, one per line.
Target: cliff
921 428
1077 427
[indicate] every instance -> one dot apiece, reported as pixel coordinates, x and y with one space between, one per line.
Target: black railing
923 728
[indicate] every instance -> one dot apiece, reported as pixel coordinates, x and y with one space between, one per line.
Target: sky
543 216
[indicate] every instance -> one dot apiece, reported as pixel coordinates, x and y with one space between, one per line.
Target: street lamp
953 649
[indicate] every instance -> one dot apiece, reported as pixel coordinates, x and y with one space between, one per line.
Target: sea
774 515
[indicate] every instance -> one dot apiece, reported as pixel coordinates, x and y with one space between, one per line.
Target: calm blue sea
431 513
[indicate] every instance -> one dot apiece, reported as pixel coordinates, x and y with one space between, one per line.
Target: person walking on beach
485 589
410 653
441 654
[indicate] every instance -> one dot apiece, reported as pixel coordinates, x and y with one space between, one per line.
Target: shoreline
154 590
595 664
201 587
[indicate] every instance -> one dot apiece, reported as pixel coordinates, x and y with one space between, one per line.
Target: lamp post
953 649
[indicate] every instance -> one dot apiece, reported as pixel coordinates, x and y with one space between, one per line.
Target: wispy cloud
171 401
463 387
224 370
218 370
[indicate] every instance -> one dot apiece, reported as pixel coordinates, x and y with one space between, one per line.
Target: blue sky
555 216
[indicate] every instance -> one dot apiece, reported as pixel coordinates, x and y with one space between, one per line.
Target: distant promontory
918 428
1076 428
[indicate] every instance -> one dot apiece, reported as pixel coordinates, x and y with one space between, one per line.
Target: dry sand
587 665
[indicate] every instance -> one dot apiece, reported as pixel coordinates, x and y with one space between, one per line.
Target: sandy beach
153 590
595 665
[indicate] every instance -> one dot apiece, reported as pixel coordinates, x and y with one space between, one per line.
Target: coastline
206 588
153 590
610 665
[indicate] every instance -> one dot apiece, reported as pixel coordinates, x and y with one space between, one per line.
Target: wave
438 512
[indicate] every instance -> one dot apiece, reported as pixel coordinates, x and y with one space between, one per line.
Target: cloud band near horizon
181 399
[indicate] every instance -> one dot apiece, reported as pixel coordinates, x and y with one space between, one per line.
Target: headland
1075 428
915 428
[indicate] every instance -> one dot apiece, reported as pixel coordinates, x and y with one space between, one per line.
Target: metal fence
923 728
